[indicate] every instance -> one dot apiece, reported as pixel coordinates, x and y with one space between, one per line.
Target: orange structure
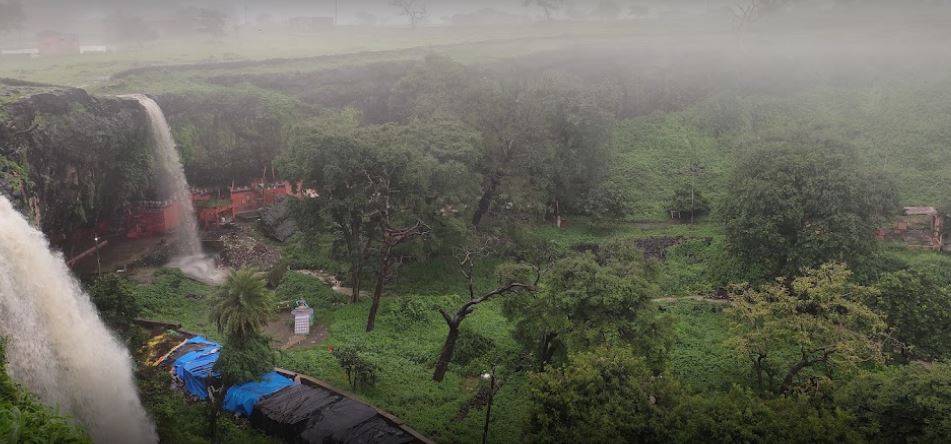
919 227
151 218
258 195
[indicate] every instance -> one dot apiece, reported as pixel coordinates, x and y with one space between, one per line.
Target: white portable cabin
303 317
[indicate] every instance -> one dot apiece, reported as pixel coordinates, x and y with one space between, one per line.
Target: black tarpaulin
311 415
285 413
378 431
333 424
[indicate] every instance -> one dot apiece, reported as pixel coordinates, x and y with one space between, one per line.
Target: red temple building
152 218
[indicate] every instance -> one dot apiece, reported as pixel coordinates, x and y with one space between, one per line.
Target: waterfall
172 183
57 347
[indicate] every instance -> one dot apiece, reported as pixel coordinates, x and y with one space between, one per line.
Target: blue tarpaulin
241 398
194 367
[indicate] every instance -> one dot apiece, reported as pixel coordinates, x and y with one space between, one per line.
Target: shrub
276 274
295 286
408 310
360 371
115 301
471 345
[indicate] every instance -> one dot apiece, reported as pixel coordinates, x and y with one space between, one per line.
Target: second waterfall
172 182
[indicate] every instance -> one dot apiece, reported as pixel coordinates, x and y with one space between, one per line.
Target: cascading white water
190 259
57 347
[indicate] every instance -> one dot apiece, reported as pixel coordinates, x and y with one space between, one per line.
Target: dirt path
332 282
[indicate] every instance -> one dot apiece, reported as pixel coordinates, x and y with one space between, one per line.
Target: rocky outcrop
277 222
69 159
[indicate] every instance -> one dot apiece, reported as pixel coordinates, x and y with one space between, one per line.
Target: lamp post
98 263
488 376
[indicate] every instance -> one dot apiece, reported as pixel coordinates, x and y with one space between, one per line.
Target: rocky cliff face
69 159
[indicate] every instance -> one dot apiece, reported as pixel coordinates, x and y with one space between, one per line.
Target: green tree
797 206
379 181
431 89
240 309
516 146
607 394
510 284
360 371
582 303
242 306
115 301
909 403
244 359
798 335
579 129
919 312
329 155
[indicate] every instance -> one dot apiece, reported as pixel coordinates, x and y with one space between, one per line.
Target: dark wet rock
85 156
277 221
656 247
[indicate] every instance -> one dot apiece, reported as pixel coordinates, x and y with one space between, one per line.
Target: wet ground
120 254
281 332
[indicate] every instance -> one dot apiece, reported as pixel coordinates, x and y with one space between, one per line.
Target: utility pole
336 12
490 376
98 262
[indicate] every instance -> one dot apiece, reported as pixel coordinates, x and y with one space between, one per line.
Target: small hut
303 318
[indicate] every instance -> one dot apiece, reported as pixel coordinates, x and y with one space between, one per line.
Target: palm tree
242 306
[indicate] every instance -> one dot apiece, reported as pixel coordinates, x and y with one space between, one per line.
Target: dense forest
623 238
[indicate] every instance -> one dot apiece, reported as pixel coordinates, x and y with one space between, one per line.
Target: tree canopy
800 204
799 335
582 304
919 312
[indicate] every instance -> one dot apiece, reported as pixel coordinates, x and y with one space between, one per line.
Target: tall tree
549 6
454 320
803 203
384 185
414 10
240 309
516 143
391 237
579 130
799 334
329 155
